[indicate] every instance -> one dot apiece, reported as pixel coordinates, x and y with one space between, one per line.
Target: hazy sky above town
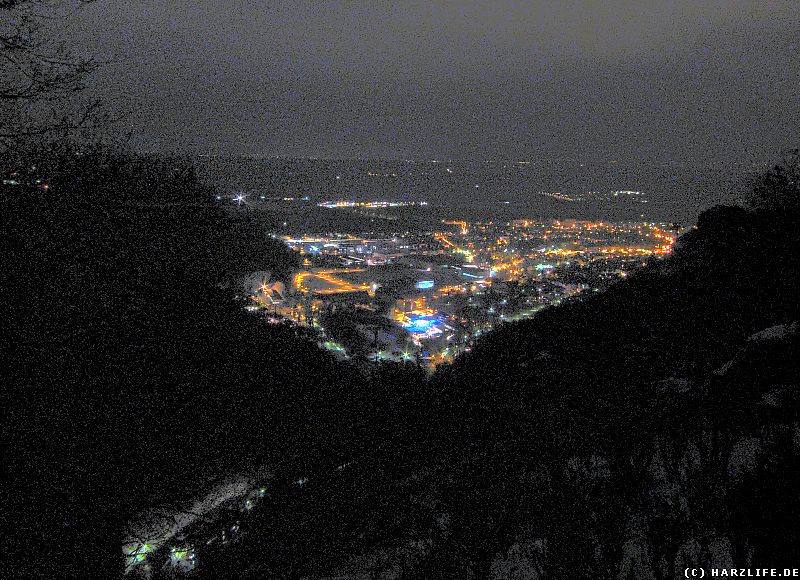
627 79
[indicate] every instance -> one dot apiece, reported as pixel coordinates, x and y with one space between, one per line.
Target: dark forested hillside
136 374
609 437
629 434
641 431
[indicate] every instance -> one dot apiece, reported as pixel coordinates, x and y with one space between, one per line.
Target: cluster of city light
527 250
422 322
637 195
507 265
446 290
585 240
345 203
556 195
563 252
624 250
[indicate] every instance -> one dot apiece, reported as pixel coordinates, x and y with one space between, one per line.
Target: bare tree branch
39 80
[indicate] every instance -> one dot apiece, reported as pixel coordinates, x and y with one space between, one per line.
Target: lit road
448 244
330 284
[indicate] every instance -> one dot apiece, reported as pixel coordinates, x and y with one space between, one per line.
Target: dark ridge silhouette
631 434
136 376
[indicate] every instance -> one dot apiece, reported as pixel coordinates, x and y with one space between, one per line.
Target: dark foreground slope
631 435
641 430
135 375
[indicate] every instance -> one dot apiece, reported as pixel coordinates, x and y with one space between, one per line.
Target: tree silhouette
39 78
777 189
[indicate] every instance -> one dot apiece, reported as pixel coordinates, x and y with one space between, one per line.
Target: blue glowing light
424 284
424 324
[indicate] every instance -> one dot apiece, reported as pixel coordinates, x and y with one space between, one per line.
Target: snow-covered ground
155 527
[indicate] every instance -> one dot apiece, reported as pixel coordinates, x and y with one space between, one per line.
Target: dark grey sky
629 79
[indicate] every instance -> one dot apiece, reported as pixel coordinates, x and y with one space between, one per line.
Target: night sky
685 80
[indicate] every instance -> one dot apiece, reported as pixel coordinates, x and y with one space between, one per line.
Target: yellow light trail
461 224
339 286
442 238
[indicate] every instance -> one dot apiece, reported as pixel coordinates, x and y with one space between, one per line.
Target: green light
330 345
139 553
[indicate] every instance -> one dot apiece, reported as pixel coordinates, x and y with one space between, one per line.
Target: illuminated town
425 296
435 290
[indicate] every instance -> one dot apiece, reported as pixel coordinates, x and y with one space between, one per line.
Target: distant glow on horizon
345 203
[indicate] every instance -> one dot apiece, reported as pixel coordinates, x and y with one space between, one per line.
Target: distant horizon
530 160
